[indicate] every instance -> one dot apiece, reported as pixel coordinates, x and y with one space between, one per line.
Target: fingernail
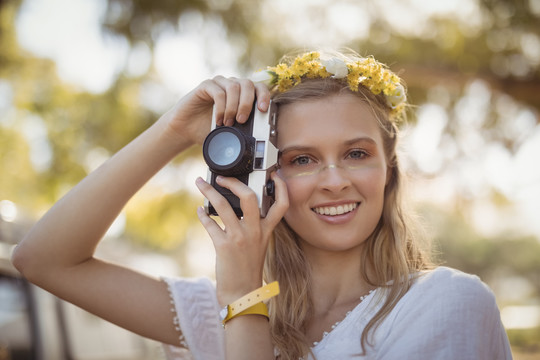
262 105
199 181
229 122
219 179
241 118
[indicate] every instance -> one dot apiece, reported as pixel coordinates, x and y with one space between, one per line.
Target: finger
247 97
212 227
248 198
217 94
232 91
280 205
220 204
263 96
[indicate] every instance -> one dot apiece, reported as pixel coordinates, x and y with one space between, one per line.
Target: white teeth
335 210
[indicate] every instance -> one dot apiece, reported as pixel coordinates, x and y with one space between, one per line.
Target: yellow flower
322 73
376 89
389 89
299 67
311 56
282 70
285 84
313 71
367 72
353 82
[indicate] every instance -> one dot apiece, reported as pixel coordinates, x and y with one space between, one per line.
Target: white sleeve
197 315
446 315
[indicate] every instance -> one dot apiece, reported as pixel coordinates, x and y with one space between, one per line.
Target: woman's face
333 163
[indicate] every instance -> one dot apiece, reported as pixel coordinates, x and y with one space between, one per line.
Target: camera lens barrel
228 151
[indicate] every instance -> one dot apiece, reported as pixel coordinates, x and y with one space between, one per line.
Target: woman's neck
337 279
338 286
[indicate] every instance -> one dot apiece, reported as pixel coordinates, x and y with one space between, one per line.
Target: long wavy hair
391 254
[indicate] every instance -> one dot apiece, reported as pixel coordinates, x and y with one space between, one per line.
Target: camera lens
224 148
228 151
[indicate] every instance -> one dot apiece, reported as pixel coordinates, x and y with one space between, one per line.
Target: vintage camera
247 152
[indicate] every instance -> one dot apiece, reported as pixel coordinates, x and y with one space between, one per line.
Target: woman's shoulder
445 296
445 314
447 285
447 277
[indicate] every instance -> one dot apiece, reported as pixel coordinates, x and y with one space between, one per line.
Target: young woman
354 281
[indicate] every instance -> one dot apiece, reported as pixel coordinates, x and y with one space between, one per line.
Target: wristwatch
224 313
259 308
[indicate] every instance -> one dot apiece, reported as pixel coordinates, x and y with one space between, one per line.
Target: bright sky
68 31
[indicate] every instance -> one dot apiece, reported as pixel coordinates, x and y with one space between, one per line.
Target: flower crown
368 72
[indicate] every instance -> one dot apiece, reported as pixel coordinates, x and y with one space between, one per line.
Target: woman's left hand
241 245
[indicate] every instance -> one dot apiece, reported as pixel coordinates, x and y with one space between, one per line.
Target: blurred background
81 78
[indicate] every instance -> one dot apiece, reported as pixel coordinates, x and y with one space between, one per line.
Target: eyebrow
363 139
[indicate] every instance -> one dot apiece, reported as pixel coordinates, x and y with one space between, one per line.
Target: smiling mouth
335 210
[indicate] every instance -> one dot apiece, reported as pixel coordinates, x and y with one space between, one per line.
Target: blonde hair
392 253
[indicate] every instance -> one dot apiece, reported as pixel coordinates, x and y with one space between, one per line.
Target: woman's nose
333 178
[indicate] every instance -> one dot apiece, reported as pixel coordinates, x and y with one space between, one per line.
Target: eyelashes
358 154
301 160
305 159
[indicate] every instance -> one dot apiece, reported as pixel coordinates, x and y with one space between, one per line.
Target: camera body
247 152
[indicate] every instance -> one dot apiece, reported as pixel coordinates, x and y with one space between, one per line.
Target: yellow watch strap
257 309
247 302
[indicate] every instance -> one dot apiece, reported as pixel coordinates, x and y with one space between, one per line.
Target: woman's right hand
233 98
240 244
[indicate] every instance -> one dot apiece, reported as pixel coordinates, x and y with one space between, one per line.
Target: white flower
264 76
397 97
336 66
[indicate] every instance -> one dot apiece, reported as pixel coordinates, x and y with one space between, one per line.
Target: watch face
223 313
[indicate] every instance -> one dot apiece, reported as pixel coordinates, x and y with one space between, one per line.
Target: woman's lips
336 210
337 214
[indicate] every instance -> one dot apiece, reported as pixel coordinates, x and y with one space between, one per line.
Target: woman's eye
358 154
301 160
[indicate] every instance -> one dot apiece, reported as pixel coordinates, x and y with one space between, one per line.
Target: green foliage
142 20
525 340
459 245
162 221
448 52
76 123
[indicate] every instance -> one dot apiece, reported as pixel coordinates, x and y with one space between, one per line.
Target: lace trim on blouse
176 321
196 317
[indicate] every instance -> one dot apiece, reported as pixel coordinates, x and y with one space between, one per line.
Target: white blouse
446 314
